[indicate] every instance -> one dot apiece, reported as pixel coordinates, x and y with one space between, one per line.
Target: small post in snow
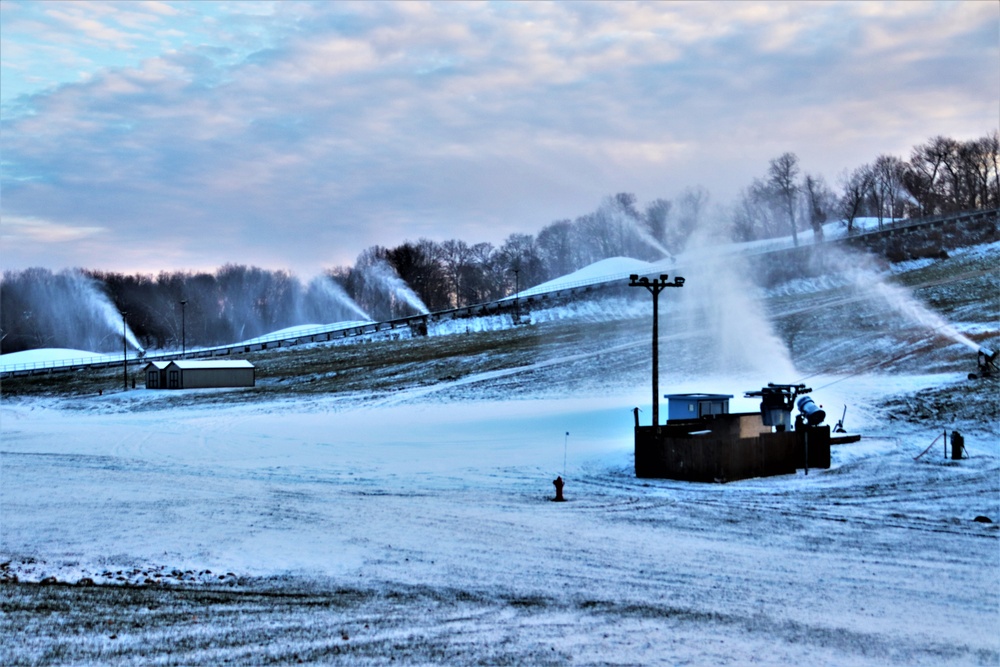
565 445
806 434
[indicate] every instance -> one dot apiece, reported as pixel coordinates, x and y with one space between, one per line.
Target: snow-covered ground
875 561
416 525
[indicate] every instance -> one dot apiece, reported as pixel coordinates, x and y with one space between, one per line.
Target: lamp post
517 296
655 286
183 332
124 352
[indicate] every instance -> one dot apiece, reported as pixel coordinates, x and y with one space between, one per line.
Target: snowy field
434 521
415 525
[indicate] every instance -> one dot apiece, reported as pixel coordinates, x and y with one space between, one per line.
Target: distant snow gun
839 428
986 360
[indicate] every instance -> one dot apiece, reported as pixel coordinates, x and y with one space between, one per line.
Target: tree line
39 308
942 175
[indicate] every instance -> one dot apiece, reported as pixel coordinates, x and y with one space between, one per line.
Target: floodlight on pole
183 332
655 286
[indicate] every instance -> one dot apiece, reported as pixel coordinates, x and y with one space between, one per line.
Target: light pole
124 352
183 332
655 286
517 296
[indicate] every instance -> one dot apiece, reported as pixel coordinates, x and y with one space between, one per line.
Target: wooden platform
726 448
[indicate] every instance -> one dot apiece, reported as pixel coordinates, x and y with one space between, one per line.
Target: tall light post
655 286
124 352
183 332
517 296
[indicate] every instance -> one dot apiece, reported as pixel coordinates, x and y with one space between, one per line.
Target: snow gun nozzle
989 354
811 412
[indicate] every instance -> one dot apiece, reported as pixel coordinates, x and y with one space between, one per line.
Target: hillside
865 318
388 499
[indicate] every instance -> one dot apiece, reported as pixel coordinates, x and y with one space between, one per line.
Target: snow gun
986 359
777 401
811 413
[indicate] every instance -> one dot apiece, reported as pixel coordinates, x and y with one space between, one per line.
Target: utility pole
183 332
517 296
124 352
655 286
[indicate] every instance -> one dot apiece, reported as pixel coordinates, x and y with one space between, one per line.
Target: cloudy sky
148 136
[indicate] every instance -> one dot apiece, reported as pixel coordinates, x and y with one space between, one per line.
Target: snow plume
628 228
720 309
325 301
65 309
244 302
385 293
865 279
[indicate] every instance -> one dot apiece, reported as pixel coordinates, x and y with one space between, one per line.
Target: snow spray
862 275
381 277
254 302
66 309
628 222
720 306
326 301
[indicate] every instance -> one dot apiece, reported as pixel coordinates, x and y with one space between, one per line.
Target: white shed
197 374
156 374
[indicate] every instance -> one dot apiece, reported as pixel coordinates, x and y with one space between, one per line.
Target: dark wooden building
719 446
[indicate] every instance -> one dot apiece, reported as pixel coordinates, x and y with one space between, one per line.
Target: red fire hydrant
558 483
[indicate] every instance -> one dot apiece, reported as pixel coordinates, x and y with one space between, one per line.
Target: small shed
199 374
156 374
696 406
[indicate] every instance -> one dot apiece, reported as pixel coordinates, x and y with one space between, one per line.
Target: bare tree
782 174
759 213
857 188
484 276
555 248
978 163
744 219
925 173
455 258
992 145
818 202
519 252
887 187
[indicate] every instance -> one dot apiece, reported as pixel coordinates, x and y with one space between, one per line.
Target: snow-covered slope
391 499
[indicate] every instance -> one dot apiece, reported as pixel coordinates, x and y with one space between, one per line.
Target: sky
161 136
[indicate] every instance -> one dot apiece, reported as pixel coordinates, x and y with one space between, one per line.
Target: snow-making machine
986 361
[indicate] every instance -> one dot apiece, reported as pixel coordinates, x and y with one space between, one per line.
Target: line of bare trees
237 302
453 273
942 176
